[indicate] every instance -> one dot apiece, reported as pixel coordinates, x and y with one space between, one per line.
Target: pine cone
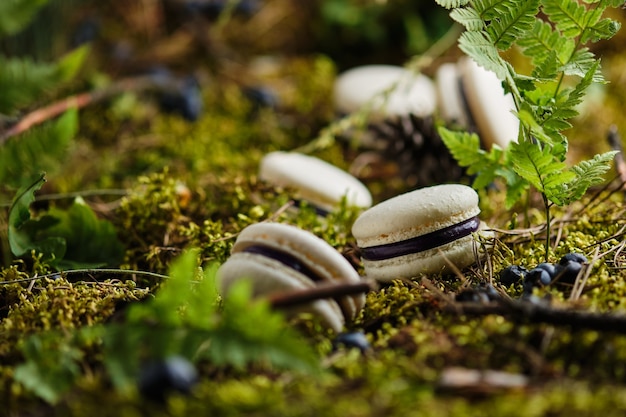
414 145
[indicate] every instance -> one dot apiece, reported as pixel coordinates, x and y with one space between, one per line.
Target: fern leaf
450 4
580 64
468 17
37 150
538 166
15 14
541 41
604 29
480 48
569 17
491 9
22 80
464 147
587 174
519 17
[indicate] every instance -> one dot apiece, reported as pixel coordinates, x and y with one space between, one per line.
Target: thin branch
526 312
297 297
79 101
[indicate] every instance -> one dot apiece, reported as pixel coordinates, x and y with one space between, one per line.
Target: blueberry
569 272
539 276
261 96
186 101
352 340
570 265
472 295
573 257
174 374
511 275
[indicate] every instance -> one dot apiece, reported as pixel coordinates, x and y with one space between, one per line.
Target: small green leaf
19 215
90 242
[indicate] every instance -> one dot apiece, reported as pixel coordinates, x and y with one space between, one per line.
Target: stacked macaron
390 90
473 98
319 183
420 232
278 257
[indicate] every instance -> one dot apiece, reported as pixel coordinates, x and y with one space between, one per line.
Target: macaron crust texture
319 183
416 232
277 257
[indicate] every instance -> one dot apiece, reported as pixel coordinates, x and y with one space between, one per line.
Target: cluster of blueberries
565 272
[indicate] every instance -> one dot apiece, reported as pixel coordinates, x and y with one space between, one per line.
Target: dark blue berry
352 340
472 295
573 257
511 275
160 378
261 96
185 101
570 265
569 272
539 276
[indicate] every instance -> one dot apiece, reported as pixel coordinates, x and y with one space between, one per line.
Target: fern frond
604 29
15 14
569 17
491 9
580 64
587 174
465 148
538 166
517 18
541 40
37 150
450 4
468 17
479 47
22 80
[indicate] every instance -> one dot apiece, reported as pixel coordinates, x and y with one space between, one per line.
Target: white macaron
419 232
277 257
319 183
410 93
473 97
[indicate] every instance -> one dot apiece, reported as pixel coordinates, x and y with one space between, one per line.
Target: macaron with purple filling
473 98
420 232
319 183
277 257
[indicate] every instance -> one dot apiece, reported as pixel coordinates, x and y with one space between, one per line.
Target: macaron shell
449 99
269 276
414 93
491 109
415 213
319 256
317 181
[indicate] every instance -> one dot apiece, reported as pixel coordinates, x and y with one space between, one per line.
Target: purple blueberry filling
421 243
286 259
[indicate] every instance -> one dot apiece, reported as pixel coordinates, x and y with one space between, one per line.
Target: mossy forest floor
168 184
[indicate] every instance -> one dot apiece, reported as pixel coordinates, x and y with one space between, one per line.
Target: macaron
473 97
277 257
319 183
410 93
419 232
